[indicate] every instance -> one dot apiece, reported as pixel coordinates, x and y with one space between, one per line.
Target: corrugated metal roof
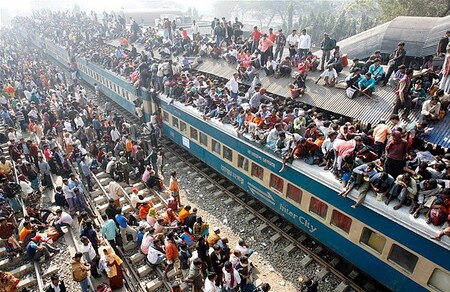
421 35
440 134
330 99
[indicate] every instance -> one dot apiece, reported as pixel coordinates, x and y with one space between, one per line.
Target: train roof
401 216
421 35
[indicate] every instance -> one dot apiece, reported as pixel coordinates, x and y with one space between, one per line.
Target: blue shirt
109 229
140 236
375 71
367 83
31 250
122 221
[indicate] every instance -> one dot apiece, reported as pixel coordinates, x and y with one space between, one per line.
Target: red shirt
272 37
256 35
184 34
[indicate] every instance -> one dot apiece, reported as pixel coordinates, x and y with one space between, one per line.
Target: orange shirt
272 37
171 251
24 233
128 145
173 186
143 210
183 215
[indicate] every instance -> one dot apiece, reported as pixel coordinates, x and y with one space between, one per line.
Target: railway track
251 210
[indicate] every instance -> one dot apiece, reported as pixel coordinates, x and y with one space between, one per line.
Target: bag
103 288
351 92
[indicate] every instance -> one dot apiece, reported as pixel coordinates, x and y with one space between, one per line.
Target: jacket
79 271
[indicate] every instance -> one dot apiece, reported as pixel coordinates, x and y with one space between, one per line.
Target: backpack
333 43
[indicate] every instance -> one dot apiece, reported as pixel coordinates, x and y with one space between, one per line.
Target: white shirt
304 41
90 251
114 190
195 28
68 126
55 288
79 122
272 136
329 73
11 136
68 194
109 166
233 85
26 189
115 134
209 286
135 199
152 255
292 39
65 218
227 276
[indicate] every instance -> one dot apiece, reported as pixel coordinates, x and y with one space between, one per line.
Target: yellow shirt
6 167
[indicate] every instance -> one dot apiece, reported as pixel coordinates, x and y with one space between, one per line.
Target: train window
403 258
183 127
318 207
276 182
242 162
175 122
257 171
194 134
294 193
227 153
439 280
215 146
373 240
203 139
341 221
165 116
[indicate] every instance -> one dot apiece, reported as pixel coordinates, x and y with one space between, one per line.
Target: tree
194 14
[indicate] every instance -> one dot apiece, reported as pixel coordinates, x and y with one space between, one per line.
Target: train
391 247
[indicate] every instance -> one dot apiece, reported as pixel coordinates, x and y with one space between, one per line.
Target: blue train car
387 247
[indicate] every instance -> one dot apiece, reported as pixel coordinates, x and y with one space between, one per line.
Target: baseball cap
36 238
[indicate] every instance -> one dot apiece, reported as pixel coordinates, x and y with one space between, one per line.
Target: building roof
421 35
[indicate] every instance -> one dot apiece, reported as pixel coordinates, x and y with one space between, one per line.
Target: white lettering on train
232 174
302 220
260 158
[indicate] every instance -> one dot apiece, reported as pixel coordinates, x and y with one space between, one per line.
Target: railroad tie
239 209
202 181
26 283
262 210
228 202
136 258
262 228
96 193
290 249
153 285
210 187
318 249
100 200
342 287
180 164
101 174
250 218
218 194
322 274
275 238
144 270
274 219
193 175
305 261
172 273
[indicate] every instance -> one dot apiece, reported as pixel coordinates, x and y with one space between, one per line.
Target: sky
13 7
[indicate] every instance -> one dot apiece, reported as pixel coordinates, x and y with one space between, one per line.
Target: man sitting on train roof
377 71
329 76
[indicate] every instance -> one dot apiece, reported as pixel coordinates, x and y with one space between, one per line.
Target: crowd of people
387 159
53 126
